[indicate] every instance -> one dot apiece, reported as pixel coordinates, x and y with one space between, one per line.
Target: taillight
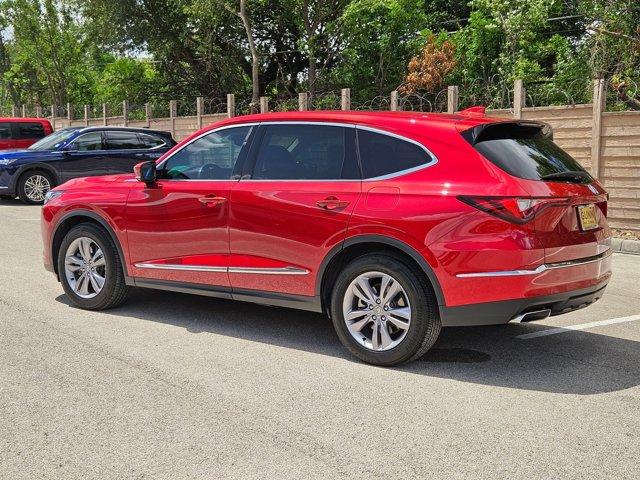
514 209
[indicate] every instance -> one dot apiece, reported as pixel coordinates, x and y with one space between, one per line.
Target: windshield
54 140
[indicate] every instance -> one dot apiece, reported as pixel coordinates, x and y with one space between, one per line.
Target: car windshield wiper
574 176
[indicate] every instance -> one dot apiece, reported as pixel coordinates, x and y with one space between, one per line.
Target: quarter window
305 152
88 142
123 141
211 157
30 130
150 141
382 154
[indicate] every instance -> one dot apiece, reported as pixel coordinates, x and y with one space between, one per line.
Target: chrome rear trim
538 270
530 316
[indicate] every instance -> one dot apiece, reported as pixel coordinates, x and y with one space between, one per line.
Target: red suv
22 132
393 224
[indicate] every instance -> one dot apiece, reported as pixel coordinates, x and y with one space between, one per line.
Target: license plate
587 216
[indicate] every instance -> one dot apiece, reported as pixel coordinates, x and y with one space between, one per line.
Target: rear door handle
212 200
331 203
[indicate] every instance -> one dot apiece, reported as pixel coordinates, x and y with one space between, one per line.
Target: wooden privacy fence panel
607 144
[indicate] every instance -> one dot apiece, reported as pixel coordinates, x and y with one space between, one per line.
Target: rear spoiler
508 129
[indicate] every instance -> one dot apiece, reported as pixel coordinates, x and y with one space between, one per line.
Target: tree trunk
255 60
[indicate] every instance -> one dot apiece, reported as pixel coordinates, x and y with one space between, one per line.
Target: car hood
96 182
28 155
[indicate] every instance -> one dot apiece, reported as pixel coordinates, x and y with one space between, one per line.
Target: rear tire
397 322
33 186
90 268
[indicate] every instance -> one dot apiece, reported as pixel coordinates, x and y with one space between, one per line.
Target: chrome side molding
289 270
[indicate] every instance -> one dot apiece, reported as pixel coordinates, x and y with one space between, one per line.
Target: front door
84 157
178 228
292 206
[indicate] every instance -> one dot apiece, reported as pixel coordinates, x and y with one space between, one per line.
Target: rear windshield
529 153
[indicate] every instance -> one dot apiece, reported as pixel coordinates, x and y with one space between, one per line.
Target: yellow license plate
587 216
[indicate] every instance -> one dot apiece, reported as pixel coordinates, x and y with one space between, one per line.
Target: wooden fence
605 143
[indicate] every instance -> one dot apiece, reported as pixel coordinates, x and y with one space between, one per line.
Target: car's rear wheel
90 269
384 311
33 186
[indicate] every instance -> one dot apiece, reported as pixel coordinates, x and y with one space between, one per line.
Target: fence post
518 98
345 100
147 114
264 104
53 117
104 114
452 99
199 110
14 111
303 101
125 112
69 113
231 105
24 110
86 115
393 103
599 103
173 108
38 111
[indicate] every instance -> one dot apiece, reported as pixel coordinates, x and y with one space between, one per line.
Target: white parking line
582 326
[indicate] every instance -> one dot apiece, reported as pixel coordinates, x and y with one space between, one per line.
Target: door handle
212 200
331 203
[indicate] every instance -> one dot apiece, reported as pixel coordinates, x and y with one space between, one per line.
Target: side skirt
299 302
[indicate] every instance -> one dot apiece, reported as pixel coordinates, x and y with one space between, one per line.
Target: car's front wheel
384 311
33 186
90 269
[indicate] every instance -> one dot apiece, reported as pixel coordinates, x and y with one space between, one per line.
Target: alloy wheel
85 267
36 187
377 311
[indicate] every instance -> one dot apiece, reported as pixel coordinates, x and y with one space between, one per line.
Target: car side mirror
145 172
69 148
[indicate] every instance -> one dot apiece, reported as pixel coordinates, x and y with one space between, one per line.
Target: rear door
292 206
27 133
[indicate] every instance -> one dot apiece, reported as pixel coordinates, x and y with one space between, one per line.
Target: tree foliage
93 51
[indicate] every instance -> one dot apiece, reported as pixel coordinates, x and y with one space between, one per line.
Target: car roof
385 120
24 119
113 128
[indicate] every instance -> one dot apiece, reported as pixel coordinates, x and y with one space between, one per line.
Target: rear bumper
495 313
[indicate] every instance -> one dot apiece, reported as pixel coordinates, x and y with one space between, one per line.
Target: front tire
384 311
90 269
33 186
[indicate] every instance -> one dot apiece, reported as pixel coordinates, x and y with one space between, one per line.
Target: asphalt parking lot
176 386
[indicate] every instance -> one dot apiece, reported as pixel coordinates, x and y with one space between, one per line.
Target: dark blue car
77 152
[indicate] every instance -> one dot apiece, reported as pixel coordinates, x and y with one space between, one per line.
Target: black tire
114 291
22 185
425 324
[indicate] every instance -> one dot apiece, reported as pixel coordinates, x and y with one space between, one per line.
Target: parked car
77 152
393 224
20 132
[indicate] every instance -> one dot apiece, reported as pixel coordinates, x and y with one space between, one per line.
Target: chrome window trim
538 270
289 270
431 155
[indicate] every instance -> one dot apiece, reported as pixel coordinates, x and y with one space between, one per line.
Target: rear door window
382 154
115 140
5 131
88 142
31 130
529 153
150 141
306 152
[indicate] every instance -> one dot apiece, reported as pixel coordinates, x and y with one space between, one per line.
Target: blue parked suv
77 152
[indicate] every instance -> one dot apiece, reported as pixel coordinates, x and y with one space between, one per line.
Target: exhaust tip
531 316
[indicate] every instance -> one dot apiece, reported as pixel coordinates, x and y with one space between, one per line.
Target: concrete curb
623 245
